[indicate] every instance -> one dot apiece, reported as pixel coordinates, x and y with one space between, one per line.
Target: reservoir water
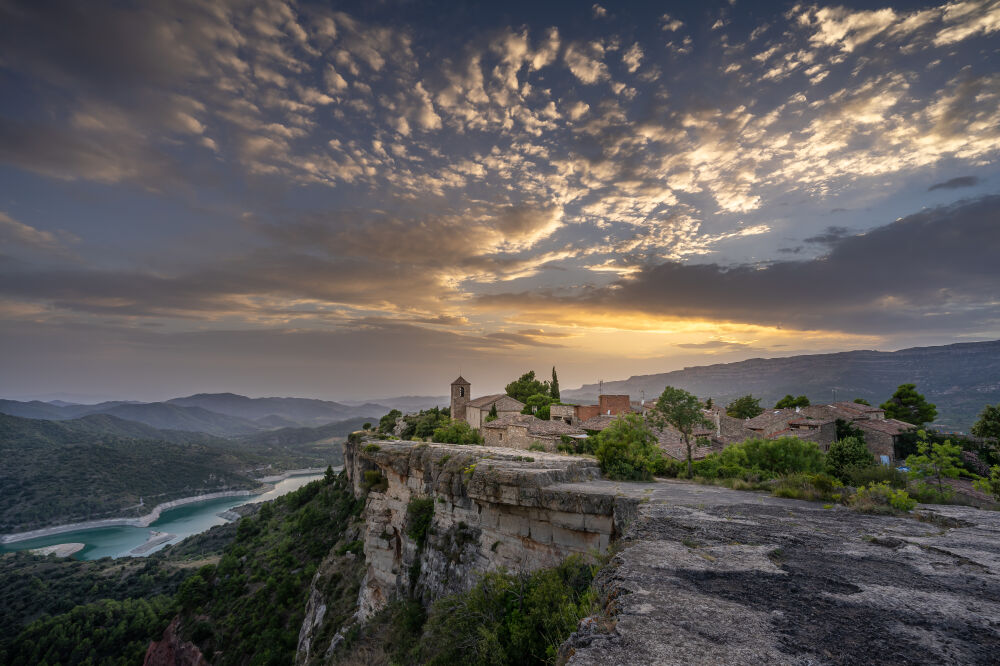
182 521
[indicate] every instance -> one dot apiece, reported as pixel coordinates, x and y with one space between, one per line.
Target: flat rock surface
712 575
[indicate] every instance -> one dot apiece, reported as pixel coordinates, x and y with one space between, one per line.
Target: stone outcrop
708 575
172 650
492 508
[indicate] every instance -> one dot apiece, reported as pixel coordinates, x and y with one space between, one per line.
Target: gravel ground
711 575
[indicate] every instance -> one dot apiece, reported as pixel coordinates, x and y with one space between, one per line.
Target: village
501 421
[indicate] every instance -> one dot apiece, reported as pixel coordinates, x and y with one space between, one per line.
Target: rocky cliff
492 508
703 574
484 508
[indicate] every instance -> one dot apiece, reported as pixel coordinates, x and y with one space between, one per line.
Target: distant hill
407 403
107 424
301 411
219 414
59 472
960 379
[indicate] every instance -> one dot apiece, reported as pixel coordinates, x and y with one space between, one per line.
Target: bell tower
459 398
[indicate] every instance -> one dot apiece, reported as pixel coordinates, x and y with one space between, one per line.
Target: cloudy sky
365 200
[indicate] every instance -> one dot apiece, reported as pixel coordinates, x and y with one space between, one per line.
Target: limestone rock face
493 508
172 650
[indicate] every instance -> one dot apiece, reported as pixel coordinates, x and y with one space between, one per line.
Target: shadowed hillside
960 379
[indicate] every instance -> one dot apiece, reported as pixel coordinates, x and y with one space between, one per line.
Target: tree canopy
909 406
682 410
526 386
627 449
554 385
789 401
988 425
746 407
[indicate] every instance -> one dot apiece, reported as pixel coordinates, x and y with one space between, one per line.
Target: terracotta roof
461 380
856 406
490 399
810 421
887 426
599 422
534 425
540 427
510 419
772 419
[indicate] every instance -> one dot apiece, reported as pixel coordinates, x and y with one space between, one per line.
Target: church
474 412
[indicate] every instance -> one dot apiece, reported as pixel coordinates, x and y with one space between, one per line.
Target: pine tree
554 386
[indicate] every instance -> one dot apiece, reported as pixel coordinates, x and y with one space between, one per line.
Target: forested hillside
241 589
960 379
99 466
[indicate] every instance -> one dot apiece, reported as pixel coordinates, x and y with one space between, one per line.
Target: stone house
607 405
520 431
881 434
475 411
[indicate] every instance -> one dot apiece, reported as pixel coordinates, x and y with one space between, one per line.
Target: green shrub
627 449
935 461
863 476
536 446
374 481
419 514
667 468
509 618
457 432
573 445
757 459
881 498
372 448
928 494
846 453
991 484
815 487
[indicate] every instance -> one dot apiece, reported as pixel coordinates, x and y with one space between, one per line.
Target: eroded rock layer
492 508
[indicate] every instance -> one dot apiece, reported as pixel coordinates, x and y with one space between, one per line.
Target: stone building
881 434
520 431
607 405
475 410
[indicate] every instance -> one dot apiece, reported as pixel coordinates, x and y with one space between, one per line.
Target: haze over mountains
960 379
220 414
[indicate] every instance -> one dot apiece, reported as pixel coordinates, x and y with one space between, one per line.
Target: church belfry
459 398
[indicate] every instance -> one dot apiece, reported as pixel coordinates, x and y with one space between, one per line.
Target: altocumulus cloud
932 270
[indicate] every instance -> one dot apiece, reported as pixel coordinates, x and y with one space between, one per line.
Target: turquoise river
182 522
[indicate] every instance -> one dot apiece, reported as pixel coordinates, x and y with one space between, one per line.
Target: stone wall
493 507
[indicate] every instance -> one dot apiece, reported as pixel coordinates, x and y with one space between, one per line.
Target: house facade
520 431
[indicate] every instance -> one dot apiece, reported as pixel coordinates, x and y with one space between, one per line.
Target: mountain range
219 414
960 379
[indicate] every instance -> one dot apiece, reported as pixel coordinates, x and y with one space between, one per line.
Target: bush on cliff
628 450
762 459
457 432
845 454
510 618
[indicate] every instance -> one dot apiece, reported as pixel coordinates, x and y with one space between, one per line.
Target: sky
364 199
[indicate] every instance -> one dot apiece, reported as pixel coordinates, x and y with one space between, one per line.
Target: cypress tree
554 386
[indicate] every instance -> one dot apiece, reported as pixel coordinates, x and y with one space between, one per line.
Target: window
461 391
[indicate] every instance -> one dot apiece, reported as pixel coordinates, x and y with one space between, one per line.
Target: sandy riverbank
60 549
296 472
154 540
142 521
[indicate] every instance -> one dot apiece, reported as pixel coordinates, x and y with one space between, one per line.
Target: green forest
94 468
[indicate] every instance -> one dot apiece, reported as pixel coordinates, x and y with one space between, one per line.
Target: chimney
798 409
